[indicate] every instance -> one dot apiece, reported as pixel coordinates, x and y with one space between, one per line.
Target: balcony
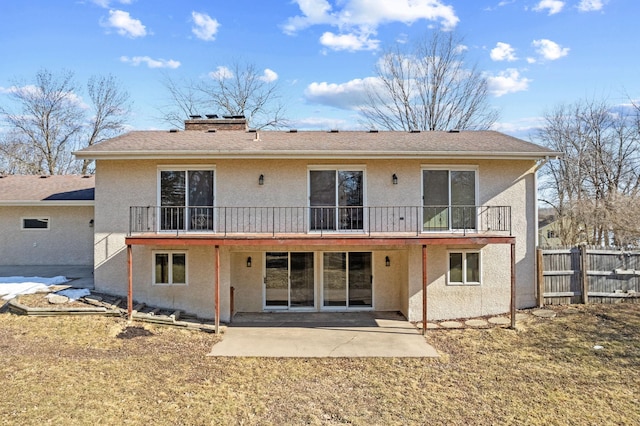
319 222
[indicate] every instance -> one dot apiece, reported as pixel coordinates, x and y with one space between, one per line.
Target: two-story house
219 218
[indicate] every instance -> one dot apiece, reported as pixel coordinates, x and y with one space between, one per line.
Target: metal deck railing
367 220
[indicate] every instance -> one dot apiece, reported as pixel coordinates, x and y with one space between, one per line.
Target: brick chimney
213 122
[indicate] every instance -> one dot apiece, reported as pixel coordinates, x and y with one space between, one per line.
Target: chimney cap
195 116
211 115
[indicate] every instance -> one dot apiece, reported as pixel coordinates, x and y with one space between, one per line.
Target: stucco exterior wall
68 241
120 184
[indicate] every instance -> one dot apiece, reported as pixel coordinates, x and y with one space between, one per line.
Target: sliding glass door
289 280
336 198
347 280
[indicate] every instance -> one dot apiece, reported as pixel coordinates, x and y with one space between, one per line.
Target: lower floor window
170 268
464 267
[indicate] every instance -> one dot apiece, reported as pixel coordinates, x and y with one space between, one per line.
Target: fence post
584 278
540 277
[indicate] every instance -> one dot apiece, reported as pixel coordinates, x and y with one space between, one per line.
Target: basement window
170 268
35 223
464 268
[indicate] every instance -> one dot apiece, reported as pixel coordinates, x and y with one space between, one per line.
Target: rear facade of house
218 219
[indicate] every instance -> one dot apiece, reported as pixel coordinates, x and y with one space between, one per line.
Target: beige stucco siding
120 184
68 241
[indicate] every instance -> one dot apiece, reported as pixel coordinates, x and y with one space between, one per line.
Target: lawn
92 370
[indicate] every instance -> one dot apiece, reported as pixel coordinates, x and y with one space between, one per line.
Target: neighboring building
46 220
218 215
548 229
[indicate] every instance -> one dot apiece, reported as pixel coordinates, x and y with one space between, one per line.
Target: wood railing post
584 277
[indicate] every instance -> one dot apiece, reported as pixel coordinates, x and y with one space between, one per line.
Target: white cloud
221 72
357 20
269 76
106 3
33 91
554 6
351 95
590 5
151 63
205 27
350 42
550 50
124 24
503 52
507 81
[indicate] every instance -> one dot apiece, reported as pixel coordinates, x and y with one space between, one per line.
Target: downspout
535 221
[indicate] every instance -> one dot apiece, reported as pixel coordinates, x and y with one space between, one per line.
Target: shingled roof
314 144
46 190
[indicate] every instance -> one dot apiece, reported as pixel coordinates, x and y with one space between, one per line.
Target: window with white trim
336 198
464 268
34 223
170 268
449 198
186 199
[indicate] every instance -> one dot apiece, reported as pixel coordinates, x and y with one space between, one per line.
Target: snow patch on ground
74 293
11 287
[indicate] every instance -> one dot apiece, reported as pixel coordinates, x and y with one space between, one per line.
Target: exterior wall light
261 180
387 261
249 262
394 179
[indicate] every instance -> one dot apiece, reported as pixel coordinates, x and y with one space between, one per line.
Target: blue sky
535 53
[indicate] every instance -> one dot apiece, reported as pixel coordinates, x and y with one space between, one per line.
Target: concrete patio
324 334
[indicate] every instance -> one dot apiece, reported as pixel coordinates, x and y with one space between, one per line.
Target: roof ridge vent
334 131
173 130
414 131
454 131
211 130
373 130
293 130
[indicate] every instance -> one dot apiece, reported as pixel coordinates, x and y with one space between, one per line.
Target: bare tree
428 88
243 90
48 124
110 109
240 89
49 121
595 187
185 99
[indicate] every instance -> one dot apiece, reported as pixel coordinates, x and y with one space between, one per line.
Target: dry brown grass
94 370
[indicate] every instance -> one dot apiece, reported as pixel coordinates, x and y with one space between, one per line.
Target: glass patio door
449 199
347 280
289 281
336 198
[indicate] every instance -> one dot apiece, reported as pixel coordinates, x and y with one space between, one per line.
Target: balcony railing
274 221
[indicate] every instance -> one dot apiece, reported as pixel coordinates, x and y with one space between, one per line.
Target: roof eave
42 203
189 155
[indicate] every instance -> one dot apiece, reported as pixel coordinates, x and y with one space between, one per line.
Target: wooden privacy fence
587 275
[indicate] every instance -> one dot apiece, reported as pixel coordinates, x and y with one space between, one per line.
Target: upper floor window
449 199
186 199
336 198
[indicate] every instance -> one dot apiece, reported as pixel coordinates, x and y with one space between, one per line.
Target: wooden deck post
217 290
513 285
130 276
424 290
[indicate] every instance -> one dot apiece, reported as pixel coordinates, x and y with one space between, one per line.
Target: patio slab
319 335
